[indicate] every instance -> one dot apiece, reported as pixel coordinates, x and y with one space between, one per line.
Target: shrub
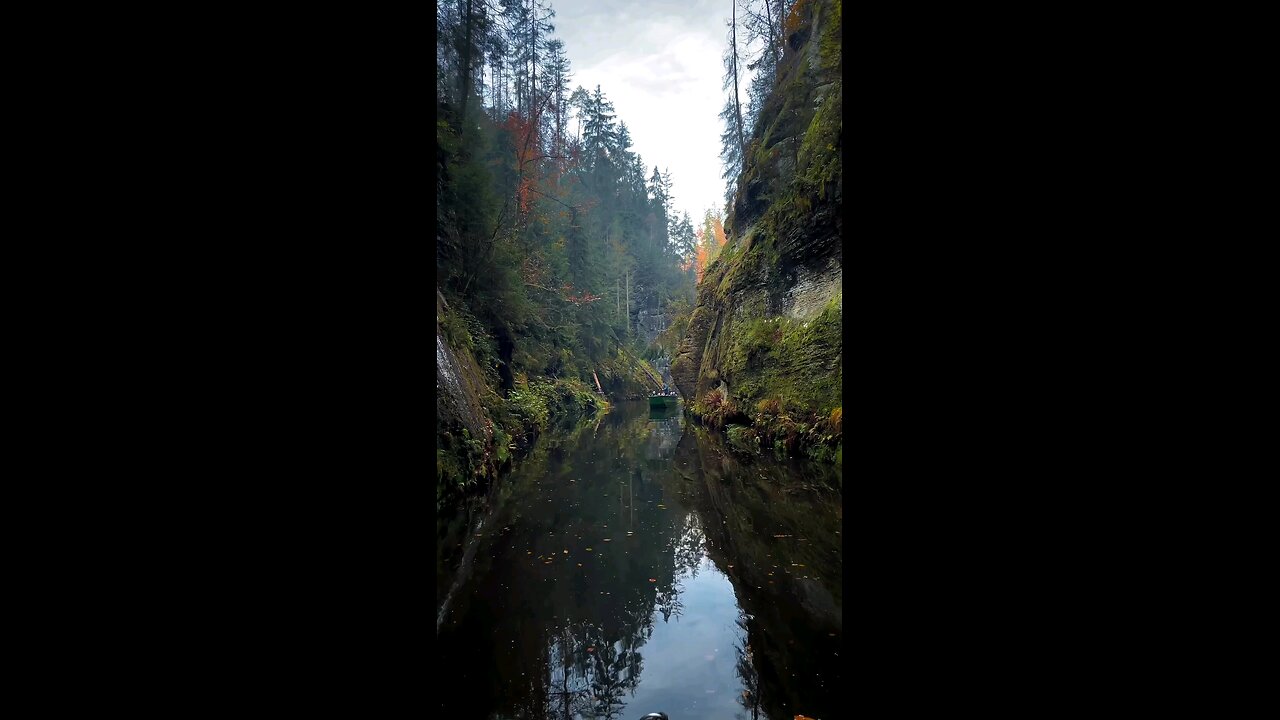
743 438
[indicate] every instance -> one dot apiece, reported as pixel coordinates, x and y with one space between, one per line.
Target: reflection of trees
569 639
594 663
746 671
668 602
566 689
688 548
591 673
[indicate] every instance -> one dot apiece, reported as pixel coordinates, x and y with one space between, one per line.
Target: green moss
819 159
501 445
625 373
743 439
750 340
829 50
795 364
454 328
789 359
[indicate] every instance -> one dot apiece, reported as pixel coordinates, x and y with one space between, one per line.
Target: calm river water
631 564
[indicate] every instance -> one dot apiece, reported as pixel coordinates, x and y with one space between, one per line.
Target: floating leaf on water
588 549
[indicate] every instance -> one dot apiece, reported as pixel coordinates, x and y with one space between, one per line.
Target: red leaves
522 194
584 298
524 135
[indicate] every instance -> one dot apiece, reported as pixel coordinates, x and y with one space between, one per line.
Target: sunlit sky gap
659 63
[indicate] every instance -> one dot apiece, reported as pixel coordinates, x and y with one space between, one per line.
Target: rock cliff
764 340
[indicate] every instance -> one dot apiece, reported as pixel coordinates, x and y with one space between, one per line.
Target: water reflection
631 565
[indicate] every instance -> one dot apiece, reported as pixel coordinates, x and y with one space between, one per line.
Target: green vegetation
785 371
549 241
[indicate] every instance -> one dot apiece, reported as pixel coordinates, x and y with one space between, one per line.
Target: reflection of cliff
790 665
664 433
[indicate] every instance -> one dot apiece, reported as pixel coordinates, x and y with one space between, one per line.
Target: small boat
663 401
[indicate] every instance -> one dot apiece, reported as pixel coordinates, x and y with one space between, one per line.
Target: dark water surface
630 564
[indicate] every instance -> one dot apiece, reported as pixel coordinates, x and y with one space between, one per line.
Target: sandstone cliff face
458 385
464 433
769 313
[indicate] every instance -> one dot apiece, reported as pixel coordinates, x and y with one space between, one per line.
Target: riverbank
467 462
478 430
773 426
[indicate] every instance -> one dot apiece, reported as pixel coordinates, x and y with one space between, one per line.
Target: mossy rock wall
767 324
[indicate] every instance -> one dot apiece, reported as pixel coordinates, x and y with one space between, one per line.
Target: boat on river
663 401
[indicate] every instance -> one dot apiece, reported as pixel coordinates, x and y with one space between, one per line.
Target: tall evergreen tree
733 140
599 135
557 83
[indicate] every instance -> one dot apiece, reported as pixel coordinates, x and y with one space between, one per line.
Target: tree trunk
775 29
782 19
533 55
742 143
464 74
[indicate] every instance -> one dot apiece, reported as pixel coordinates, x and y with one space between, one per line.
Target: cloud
659 63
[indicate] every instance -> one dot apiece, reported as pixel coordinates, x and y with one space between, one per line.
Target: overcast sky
659 63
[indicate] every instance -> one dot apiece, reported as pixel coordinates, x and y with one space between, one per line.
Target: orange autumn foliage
719 231
525 134
700 261
793 19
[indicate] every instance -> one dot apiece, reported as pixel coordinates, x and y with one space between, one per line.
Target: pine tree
557 74
733 140
580 104
599 135
765 26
